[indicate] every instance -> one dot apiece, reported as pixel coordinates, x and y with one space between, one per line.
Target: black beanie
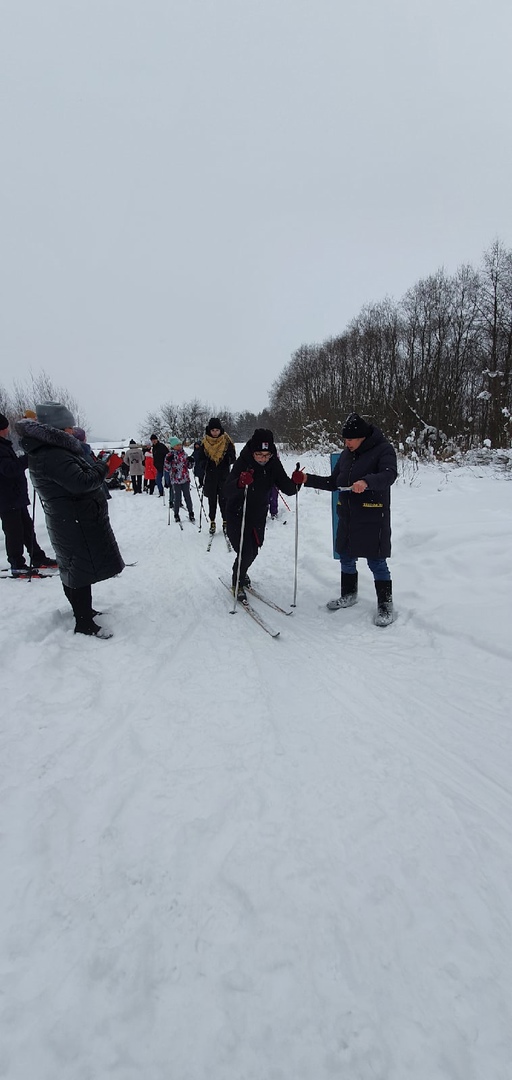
355 427
214 422
3 422
262 439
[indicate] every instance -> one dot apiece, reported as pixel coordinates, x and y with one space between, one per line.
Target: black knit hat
3 422
355 427
262 439
214 422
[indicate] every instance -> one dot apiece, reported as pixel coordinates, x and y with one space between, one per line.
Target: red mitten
245 479
298 477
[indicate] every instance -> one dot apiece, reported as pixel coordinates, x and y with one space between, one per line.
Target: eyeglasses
262 453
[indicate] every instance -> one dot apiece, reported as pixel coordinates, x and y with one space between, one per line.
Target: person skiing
17 524
368 467
214 461
177 465
75 508
252 477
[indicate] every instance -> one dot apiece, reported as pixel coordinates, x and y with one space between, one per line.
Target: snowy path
235 858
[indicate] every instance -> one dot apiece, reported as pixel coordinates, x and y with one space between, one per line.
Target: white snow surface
227 857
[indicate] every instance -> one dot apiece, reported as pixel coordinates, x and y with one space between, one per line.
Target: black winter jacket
265 477
159 452
213 476
74 504
13 482
364 521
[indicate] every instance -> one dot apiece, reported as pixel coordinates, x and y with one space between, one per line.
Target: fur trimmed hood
33 434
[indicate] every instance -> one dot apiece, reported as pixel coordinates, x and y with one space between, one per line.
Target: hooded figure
16 521
75 507
254 474
214 461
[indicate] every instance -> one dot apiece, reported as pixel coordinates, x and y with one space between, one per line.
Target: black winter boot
348 593
384 616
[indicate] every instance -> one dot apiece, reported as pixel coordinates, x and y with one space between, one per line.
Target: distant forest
434 370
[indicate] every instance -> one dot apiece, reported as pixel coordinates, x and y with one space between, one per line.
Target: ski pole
294 604
281 496
200 497
239 556
32 537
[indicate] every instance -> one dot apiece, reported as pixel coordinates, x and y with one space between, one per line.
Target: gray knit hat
54 415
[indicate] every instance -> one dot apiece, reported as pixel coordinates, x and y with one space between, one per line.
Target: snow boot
43 561
384 614
348 593
191 518
177 517
91 629
212 528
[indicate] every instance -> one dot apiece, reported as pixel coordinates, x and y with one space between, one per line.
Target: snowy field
226 857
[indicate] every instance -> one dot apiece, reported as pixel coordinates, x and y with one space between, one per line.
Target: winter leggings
212 504
81 602
378 567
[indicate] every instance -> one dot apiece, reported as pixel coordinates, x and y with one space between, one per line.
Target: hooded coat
74 504
265 478
364 521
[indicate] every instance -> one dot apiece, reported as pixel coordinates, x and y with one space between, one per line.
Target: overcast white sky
190 189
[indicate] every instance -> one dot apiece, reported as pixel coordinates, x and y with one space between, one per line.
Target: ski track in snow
236 858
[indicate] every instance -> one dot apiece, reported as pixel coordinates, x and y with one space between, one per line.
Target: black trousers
81 602
253 539
137 485
19 533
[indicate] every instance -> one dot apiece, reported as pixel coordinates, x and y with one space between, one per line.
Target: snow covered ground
231 858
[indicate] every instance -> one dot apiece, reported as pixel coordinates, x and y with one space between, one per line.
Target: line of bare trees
188 421
25 395
433 370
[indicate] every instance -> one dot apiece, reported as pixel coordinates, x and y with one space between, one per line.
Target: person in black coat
214 461
368 467
256 471
159 453
16 521
75 507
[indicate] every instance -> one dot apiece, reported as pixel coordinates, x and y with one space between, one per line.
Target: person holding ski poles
176 466
253 475
364 472
213 464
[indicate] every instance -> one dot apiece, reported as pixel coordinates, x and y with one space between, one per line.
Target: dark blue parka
13 482
71 491
364 521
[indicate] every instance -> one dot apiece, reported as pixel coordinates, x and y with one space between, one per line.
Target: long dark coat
13 482
265 478
74 504
364 521
214 475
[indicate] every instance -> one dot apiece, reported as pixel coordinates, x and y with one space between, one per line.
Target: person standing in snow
135 462
150 473
17 524
256 471
71 492
368 467
159 452
177 465
214 461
